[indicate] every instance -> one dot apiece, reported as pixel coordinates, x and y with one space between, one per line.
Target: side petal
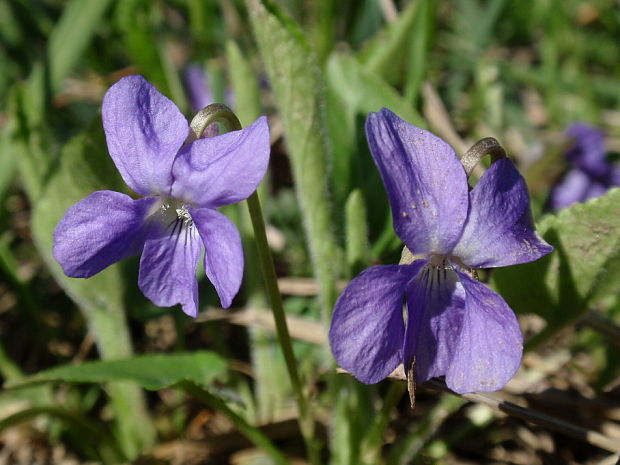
223 252
435 306
488 350
424 180
367 328
144 131
100 230
223 169
168 266
499 230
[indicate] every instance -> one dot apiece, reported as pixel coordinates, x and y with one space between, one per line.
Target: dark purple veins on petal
435 305
168 265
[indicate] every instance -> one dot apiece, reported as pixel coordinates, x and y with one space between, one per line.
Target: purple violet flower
455 326
182 185
591 175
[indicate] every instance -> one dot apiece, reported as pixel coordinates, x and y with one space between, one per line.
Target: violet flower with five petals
455 326
182 184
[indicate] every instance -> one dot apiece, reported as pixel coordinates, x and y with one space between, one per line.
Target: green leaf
294 75
8 162
151 372
27 139
418 57
357 249
244 85
364 91
71 36
385 52
583 269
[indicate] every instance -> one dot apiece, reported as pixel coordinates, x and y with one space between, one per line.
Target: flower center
443 264
175 215
438 269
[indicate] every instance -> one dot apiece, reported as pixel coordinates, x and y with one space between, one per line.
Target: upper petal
488 350
223 169
223 252
424 180
435 305
144 131
99 230
366 333
499 230
168 265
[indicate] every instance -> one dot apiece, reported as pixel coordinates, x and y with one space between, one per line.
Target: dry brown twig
524 413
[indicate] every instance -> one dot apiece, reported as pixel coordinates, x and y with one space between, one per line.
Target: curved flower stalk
591 174
454 325
182 183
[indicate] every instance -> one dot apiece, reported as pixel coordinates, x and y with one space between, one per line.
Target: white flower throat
441 266
175 215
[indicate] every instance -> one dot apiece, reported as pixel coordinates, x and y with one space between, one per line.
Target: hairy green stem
221 113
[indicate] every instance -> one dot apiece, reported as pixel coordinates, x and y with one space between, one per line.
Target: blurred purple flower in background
183 184
591 173
197 87
200 94
455 326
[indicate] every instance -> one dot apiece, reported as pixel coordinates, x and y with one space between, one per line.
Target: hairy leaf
583 269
